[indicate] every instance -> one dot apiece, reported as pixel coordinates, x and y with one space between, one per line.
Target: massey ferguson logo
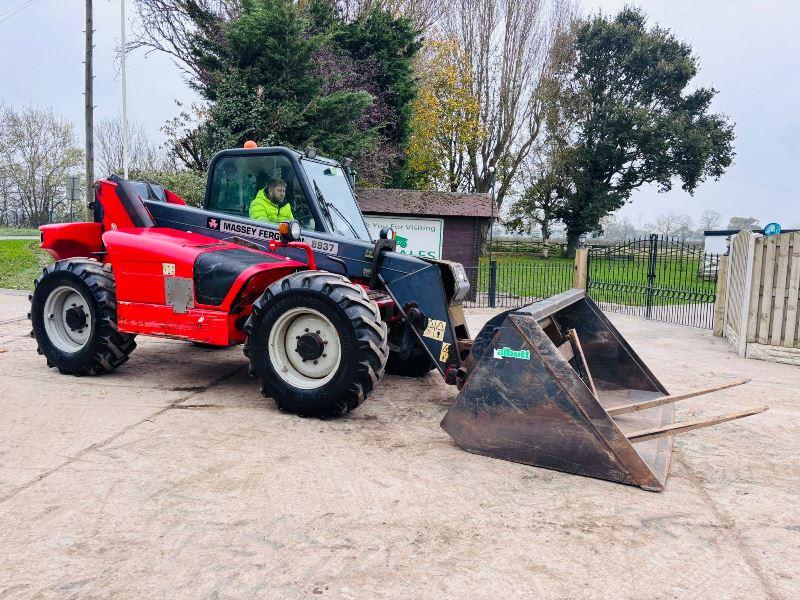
263 233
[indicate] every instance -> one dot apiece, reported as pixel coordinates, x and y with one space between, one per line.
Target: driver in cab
270 203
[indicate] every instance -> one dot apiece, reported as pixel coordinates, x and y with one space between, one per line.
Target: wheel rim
67 319
304 332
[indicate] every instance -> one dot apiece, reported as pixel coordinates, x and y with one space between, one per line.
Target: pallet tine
529 397
579 355
636 406
649 434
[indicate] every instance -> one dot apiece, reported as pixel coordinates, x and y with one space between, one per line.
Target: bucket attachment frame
559 387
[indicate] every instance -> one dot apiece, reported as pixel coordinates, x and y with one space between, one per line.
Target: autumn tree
445 121
634 118
506 50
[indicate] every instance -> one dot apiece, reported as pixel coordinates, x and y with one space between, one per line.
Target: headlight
294 230
290 231
461 283
459 273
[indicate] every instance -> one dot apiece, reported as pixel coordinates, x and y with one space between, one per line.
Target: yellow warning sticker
434 330
168 268
445 353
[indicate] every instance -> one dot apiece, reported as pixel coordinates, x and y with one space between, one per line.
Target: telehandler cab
322 310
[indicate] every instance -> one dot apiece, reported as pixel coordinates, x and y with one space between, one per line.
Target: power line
766 186
13 11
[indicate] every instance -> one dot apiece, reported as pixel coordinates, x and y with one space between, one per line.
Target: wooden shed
416 215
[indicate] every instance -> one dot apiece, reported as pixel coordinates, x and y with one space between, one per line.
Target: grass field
618 282
9 231
524 276
21 261
518 276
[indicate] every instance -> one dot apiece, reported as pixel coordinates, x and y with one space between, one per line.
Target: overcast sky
749 51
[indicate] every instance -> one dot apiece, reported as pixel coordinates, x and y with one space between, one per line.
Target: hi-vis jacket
263 209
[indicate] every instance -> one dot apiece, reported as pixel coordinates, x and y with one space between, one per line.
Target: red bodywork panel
174 198
143 258
65 240
154 271
114 214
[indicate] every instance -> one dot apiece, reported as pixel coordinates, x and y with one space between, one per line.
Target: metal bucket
559 387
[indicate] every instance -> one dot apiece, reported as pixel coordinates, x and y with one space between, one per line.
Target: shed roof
423 202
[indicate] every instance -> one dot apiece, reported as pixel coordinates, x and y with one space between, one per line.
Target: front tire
74 318
317 343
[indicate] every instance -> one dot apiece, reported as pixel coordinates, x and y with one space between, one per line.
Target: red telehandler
322 310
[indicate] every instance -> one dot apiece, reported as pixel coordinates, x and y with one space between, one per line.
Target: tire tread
111 348
370 329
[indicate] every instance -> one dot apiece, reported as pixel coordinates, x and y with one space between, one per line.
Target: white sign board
418 237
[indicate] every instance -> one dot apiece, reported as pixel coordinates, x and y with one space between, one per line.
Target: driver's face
279 192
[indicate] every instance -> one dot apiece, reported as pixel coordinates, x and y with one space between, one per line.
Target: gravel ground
173 478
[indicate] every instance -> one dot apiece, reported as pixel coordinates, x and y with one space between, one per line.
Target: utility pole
89 97
124 96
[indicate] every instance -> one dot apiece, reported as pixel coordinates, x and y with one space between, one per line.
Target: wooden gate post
579 273
748 284
722 296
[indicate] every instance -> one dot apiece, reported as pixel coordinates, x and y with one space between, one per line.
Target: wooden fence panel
792 335
781 285
755 289
767 290
737 289
762 306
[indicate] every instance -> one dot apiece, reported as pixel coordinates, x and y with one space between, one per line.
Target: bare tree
37 152
750 223
618 229
539 202
186 142
666 224
684 228
142 154
7 213
423 13
507 47
710 219
169 26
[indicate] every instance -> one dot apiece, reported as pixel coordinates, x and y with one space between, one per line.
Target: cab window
263 187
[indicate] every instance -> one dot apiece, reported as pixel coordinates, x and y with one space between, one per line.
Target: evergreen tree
632 118
285 73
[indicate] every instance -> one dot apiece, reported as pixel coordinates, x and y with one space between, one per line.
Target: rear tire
317 343
74 318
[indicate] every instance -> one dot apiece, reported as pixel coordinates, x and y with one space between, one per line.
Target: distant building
717 241
446 225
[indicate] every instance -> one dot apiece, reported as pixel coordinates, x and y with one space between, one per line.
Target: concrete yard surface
174 478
